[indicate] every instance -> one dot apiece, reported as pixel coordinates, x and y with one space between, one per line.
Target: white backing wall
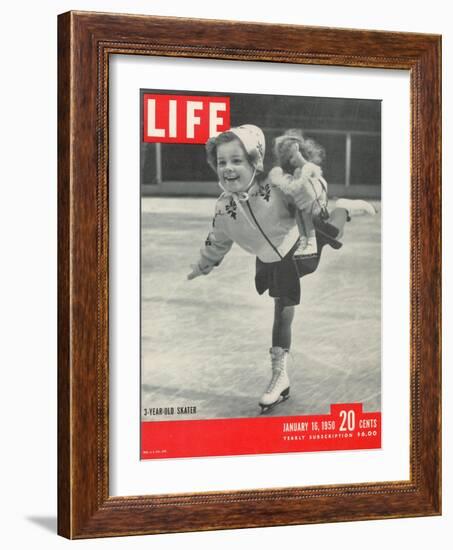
28 319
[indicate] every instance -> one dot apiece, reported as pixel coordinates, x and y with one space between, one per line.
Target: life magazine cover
260 273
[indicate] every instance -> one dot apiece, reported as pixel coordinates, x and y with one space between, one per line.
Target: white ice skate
356 207
278 389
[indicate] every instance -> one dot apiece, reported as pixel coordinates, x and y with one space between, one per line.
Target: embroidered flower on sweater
231 209
265 192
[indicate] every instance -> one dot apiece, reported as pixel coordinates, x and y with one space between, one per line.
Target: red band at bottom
347 427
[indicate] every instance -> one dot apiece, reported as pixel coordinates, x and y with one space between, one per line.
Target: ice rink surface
205 342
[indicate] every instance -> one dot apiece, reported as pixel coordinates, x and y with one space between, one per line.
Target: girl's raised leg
338 217
347 208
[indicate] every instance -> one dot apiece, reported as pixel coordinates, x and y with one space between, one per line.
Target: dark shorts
282 279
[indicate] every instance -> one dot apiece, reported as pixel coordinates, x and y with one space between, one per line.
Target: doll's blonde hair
310 149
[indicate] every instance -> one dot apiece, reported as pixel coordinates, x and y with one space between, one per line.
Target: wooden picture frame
85 507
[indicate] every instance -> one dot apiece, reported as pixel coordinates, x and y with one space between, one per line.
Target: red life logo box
184 119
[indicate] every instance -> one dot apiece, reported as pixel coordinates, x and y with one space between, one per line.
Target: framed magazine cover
154 367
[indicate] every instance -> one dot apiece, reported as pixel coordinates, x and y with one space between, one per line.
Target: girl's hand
196 272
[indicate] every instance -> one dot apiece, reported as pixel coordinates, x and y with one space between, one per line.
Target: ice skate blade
283 397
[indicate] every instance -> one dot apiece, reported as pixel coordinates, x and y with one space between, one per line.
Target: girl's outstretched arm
216 246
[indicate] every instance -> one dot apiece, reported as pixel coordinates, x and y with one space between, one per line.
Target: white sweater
263 226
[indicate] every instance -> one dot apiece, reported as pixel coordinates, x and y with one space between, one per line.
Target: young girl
258 216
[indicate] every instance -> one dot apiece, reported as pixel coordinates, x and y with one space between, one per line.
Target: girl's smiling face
233 167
